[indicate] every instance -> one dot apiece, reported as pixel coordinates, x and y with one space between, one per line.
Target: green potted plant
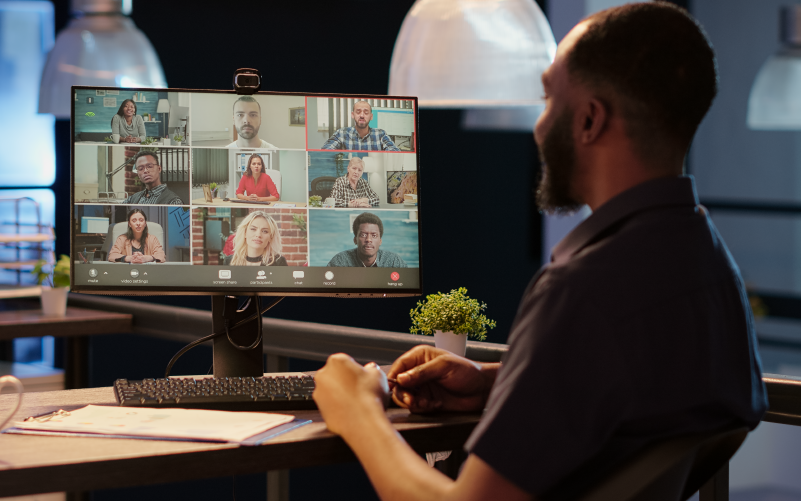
55 282
451 318
213 188
177 139
315 201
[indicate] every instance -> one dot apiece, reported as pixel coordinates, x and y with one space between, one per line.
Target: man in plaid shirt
360 137
351 190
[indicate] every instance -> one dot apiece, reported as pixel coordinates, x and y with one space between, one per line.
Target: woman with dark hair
129 125
255 184
136 245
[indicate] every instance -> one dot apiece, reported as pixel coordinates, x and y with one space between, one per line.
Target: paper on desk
146 422
280 205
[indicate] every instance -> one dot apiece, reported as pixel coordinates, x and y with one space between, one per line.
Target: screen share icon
225 274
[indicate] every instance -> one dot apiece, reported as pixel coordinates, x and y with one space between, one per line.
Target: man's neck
366 260
362 131
152 186
253 142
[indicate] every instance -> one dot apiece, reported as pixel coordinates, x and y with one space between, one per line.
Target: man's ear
594 115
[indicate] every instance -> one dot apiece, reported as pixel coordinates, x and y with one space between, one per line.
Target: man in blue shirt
638 329
361 136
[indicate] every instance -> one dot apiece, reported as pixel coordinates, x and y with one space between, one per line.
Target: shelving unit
22 245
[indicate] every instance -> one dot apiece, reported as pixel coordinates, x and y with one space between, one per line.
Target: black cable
196 342
258 328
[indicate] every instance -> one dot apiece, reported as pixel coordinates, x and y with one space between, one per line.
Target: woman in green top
129 125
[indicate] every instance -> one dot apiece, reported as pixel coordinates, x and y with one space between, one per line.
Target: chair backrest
669 470
275 175
117 229
321 186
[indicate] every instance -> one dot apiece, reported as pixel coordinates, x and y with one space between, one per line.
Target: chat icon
298 274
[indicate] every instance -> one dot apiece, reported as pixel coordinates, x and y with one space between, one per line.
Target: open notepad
246 428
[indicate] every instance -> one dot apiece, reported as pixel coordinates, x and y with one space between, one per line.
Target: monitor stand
230 361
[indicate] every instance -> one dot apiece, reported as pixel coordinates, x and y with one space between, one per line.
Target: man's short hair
246 99
656 64
146 153
353 108
367 218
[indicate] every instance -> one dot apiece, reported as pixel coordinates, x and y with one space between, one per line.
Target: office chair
321 186
673 470
117 229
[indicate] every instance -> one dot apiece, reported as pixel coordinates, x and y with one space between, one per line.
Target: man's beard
558 159
247 134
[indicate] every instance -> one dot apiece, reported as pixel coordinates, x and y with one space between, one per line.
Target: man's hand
359 202
430 379
345 392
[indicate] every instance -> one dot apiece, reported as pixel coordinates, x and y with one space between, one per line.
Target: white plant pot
454 343
54 301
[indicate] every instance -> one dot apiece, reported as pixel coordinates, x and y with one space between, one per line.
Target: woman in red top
257 184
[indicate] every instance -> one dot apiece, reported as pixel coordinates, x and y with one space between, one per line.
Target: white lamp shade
472 53
775 100
97 50
163 106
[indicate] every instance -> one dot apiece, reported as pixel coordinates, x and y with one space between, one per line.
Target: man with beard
148 170
638 329
247 120
361 136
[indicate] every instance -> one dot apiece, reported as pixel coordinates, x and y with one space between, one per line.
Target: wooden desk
218 202
75 326
32 465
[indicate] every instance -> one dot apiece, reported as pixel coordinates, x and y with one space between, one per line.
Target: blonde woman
257 242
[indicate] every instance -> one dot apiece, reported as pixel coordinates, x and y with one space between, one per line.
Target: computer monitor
269 194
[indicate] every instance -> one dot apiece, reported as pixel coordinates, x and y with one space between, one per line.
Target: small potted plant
451 318
177 139
315 201
55 282
213 188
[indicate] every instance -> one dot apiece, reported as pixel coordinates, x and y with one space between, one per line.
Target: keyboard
271 393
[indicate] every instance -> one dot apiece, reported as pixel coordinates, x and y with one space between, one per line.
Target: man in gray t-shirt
367 233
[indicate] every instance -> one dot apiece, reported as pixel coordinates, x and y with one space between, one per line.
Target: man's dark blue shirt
639 329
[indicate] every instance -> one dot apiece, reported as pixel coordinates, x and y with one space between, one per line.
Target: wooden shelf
25 237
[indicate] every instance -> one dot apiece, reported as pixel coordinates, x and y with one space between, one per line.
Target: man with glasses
367 233
146 165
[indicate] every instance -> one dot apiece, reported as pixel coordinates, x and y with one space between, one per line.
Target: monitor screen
209 192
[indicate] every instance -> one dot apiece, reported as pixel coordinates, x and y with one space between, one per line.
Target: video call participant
351 190
149 172
129 125
360 137
255 184
257 242
367 233
136 246
247 120
624 96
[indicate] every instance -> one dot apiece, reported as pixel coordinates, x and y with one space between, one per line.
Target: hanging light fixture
100 46
775 100
485 56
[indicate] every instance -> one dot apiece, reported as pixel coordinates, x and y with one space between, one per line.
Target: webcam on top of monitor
247 81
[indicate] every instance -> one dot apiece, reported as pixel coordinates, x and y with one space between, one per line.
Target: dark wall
479 227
